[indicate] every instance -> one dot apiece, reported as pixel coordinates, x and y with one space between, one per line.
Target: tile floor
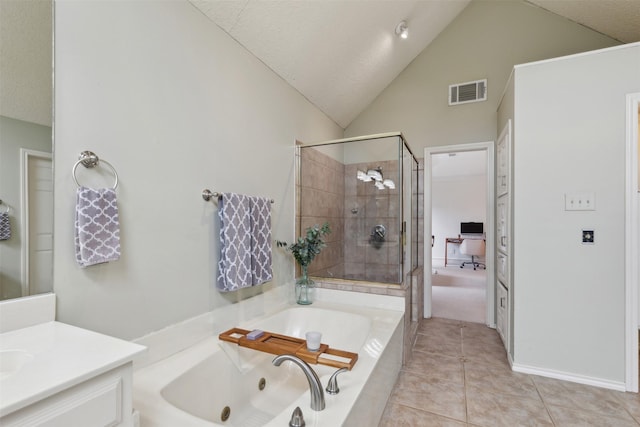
459 376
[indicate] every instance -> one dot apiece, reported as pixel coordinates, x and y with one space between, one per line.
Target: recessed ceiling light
402 30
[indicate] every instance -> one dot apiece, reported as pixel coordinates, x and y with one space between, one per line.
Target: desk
447 240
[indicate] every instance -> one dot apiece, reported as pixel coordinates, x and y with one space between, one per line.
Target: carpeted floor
459 293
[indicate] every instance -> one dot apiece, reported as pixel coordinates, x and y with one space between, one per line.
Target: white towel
260 240
234 266
97 226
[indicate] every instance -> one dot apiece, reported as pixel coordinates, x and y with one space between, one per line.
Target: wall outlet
580 201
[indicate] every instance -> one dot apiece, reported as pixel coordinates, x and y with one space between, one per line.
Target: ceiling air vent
463 93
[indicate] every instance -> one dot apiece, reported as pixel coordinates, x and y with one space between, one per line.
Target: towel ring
6 206
89 159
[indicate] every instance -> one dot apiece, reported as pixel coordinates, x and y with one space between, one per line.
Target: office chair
473 247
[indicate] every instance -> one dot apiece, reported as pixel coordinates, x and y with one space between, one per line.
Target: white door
37 262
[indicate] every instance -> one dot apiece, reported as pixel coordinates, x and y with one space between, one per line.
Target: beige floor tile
571 395
488 340
498 410
482 351
460 375
441 342
484 377
479 330
404 416
631 401
575 417
434 395
436 325
437 365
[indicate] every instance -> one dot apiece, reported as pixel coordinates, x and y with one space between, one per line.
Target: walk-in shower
367 189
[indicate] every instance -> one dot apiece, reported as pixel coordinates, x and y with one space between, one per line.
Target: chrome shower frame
406 217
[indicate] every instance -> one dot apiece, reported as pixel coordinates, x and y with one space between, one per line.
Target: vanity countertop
59 356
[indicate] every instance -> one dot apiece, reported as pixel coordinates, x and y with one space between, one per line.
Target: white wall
176 106
569 298
455 200
485 41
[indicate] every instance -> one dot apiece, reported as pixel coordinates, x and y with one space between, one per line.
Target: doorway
36 189
485 151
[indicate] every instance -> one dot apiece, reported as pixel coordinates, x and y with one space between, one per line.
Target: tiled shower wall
321 195
365 207
330 191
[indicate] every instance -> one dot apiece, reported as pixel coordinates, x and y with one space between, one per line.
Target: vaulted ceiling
340 54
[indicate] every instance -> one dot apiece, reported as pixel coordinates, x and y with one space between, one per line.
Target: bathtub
216 383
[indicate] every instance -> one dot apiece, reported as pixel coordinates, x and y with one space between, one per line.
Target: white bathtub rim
175 338
149 381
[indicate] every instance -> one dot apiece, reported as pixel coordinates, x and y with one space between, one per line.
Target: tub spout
315 386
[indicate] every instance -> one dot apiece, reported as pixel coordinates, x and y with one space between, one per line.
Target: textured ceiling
341 54
25 61
619 19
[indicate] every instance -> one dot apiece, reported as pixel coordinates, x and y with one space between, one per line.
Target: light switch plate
585 201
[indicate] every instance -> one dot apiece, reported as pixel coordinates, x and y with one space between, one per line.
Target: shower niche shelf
282 344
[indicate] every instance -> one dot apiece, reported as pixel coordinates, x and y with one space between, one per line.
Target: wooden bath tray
282 344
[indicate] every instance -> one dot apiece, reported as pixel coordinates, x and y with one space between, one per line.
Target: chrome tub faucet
315 386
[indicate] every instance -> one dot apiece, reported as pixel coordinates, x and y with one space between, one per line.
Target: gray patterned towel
260 240
97 227
234 266
5 226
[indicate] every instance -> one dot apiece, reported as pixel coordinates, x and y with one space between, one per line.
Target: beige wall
485 41
176 106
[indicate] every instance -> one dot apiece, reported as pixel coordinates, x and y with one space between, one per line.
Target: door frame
489 148
25 156
632 244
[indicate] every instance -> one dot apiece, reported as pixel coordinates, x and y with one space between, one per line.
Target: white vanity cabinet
104 400
71 377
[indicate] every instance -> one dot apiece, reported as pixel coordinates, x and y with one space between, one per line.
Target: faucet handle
332 387
297 419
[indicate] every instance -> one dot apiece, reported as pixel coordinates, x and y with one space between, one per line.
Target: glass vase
304 288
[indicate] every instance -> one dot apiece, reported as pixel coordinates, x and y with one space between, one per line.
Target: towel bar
207 195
